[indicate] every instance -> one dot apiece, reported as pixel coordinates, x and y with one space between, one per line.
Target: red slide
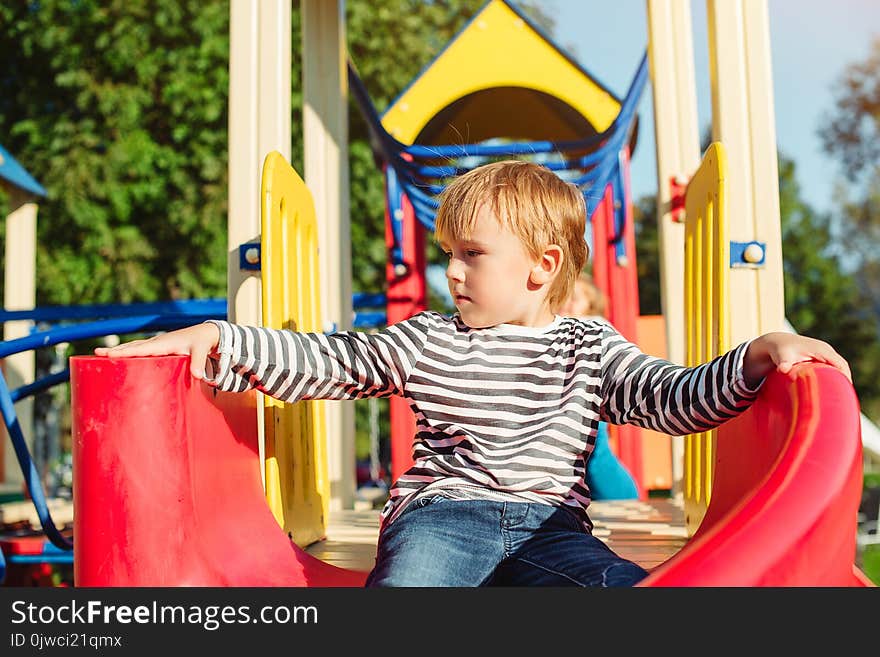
788 481
168 489
167 484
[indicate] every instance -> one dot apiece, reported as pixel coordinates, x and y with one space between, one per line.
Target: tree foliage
821 299
119 110
850 136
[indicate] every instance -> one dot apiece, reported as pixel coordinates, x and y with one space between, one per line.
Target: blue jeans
441 542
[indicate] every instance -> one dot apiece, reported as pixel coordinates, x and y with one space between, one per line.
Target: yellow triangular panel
497 50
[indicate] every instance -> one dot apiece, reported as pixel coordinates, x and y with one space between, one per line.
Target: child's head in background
585 300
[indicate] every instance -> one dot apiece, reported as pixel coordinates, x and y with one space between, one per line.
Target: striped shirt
507 413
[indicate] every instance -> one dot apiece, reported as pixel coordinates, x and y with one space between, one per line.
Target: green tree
850 136
647 255
852 131
119 110
821 299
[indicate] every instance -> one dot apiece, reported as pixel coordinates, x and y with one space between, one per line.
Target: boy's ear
548 265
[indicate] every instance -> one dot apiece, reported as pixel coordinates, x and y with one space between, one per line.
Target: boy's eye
472 254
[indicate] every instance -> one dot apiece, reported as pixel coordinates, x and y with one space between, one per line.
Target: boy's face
489 277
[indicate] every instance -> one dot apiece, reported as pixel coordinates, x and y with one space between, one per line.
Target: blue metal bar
395 214
103 311
370 320
416 195
40 385
368 300
41 558
87 330
32 478
216 308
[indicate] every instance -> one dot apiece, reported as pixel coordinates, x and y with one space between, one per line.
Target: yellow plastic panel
706 313
497 49
297 484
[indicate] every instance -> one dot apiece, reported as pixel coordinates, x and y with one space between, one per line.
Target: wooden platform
646 532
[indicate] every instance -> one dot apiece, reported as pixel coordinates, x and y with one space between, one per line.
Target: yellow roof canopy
500 77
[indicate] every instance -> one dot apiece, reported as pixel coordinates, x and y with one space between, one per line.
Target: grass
869 559
871 563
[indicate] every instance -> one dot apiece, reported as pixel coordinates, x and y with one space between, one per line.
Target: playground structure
792 407
145 421
742 107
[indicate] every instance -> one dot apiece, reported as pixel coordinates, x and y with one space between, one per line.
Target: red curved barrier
168 489
167 484
788 481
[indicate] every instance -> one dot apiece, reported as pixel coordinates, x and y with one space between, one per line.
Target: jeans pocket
428 500
420 503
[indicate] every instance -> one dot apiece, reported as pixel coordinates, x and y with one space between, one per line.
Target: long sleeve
291 366
653 393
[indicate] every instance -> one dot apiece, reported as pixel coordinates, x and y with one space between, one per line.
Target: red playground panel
169 493
167 484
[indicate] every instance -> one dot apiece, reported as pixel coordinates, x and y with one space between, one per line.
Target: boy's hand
780 351
197 342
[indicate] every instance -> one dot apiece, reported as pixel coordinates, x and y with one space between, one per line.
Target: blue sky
811 41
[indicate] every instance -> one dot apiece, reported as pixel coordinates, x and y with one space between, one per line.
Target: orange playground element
656 446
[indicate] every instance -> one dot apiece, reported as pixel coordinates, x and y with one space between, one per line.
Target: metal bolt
753 253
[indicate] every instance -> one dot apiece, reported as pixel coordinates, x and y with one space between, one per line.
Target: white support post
743 119
676 135
259 122
325 127
19 293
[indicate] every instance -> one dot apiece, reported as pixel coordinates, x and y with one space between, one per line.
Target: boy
507 395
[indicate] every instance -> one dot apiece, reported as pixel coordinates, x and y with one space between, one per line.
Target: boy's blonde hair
532 202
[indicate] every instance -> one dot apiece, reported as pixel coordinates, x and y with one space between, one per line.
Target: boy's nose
453 271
